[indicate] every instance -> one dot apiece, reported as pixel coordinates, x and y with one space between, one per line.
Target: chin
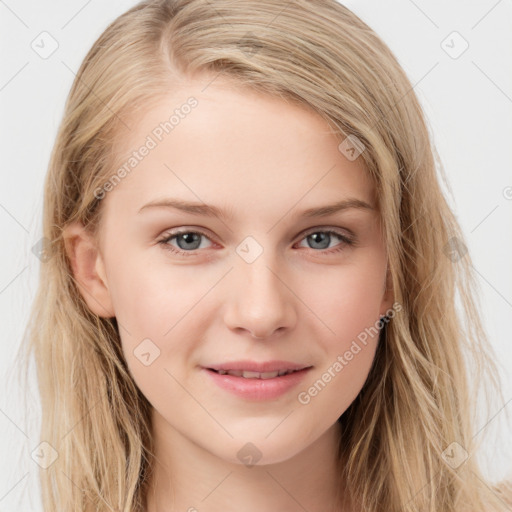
262 452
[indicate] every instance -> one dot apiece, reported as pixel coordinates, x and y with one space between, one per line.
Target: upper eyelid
336 230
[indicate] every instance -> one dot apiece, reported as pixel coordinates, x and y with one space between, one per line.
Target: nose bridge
261 302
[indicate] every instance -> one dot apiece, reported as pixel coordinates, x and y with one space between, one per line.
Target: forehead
215 140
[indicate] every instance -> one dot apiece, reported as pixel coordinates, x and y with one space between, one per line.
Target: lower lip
258 389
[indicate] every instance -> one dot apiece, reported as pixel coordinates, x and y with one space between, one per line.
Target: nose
259 300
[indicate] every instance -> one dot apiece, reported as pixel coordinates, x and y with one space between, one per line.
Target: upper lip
260 367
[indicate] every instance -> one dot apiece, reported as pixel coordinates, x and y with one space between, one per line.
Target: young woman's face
262 283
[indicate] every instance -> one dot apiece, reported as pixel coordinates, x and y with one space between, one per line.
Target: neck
186 477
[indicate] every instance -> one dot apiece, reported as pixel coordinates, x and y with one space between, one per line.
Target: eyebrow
213 211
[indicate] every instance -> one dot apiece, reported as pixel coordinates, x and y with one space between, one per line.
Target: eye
320 239
189 241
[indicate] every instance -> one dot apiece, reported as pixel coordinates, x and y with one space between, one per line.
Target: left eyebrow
207 210
345 204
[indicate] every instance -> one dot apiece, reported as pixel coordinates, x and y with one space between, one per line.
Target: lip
258 389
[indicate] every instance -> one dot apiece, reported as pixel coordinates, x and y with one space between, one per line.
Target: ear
88 269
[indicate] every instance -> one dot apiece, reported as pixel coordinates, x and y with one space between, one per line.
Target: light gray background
468 101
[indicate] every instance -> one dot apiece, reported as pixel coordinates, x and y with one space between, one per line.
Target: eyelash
346 241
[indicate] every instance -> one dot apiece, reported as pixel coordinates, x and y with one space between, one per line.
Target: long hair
417 408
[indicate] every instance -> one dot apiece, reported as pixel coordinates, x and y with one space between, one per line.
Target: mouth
254 375
257 381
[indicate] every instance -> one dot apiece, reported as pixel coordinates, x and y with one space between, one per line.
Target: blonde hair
417 399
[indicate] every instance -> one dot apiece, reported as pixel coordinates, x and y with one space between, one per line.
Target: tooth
257 375
251 375
254 375
269 375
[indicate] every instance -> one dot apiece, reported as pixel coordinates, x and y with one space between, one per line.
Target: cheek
348 303
338 384
150 299
347 298
158 308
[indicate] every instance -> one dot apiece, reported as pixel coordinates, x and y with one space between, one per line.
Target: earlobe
88 269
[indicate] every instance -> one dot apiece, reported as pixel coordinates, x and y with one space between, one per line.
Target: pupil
189 238
326 237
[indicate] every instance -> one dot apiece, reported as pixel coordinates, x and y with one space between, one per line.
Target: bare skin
264 161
